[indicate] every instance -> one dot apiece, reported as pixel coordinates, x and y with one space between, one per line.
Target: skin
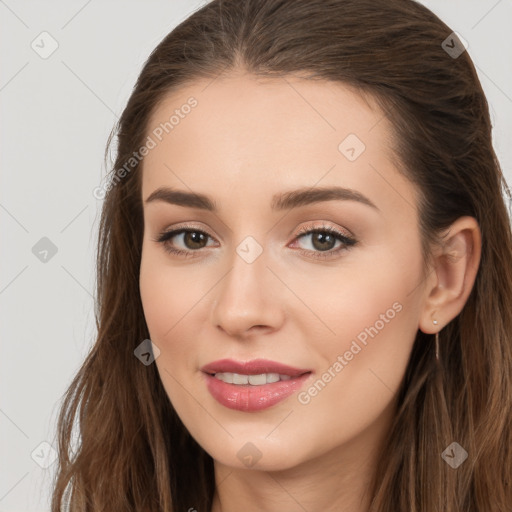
247 139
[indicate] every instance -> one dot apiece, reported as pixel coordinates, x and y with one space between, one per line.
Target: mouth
253 385
254 367
240 379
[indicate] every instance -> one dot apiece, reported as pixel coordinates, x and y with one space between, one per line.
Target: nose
249 299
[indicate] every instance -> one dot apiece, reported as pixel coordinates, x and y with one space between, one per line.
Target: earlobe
456 264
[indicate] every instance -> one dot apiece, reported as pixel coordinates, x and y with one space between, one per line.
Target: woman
304 274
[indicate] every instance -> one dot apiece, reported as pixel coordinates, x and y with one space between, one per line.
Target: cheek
175 304
352 297
167 293
371 317
156 292
364 364
167 297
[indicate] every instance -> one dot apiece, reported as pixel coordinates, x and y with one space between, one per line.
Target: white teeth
254 380
226 377
240 379
258 380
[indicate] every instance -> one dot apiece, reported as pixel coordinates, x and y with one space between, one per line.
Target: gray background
56 115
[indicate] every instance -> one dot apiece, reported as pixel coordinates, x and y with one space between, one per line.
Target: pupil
194 237
323 238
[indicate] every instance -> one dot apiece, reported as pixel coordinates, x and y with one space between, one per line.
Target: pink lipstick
252 385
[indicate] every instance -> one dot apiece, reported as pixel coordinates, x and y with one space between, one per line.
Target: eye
193 239
323 240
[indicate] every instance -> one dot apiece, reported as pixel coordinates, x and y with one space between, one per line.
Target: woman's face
278 159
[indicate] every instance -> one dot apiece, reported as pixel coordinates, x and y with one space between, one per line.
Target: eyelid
323 226
185 227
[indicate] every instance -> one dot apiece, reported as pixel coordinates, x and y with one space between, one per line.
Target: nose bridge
247 297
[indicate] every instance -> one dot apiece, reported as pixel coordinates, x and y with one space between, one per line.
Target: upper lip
253 367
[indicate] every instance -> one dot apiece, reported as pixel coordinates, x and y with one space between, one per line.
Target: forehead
277 109
267 134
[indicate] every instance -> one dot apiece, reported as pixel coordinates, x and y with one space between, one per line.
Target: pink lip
247 397
254 367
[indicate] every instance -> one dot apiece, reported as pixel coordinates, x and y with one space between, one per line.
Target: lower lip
251 398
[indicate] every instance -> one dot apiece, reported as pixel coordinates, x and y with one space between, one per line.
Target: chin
258 453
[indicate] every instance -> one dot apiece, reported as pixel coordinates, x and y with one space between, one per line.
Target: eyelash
348 242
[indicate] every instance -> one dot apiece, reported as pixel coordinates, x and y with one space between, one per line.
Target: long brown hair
134 453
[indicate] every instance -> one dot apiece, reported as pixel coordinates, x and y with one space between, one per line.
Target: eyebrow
282 201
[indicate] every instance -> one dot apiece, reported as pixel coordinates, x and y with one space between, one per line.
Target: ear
451 279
